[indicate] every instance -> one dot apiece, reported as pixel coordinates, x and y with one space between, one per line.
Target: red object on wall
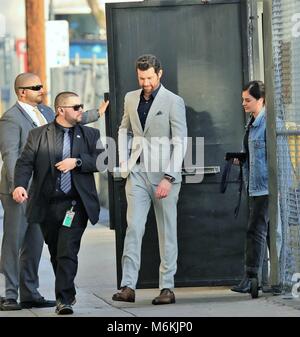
21 50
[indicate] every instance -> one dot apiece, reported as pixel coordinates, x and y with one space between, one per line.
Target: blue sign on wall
86 49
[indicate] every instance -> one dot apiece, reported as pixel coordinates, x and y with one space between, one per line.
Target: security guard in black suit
62 157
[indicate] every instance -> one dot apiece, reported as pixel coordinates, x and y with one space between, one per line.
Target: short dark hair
61 97
256 89
148 61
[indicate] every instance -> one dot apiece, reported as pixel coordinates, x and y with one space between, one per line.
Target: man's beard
74 121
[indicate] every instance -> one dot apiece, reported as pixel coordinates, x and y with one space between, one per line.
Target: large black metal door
203 51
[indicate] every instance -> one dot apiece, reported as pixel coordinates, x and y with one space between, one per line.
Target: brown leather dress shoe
166 296
125 295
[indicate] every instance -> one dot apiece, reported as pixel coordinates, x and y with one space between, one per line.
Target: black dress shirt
246 138
145 105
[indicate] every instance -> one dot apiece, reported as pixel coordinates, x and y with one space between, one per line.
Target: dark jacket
14 127
38 157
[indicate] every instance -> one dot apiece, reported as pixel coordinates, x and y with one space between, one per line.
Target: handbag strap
237 208
225 175
225 180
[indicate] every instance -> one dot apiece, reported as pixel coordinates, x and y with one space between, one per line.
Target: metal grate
286 56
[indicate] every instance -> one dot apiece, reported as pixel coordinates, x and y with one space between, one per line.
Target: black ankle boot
252 275
243 287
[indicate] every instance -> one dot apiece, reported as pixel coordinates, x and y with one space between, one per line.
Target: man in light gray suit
156 118
22 242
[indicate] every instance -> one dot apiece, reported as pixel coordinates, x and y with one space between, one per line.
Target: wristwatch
169 178
78 162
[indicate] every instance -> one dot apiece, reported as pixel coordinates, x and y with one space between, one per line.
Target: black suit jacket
38 157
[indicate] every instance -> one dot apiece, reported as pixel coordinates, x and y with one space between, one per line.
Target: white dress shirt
29 110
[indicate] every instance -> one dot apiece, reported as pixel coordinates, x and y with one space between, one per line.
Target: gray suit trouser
140 193
21 250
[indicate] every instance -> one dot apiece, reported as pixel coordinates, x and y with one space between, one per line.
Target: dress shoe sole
64 311
2 308
29 305
241 291
119 299
161 302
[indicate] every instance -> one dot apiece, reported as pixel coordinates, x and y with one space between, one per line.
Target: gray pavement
96 282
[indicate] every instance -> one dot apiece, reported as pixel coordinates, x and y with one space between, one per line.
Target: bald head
29 88
24 80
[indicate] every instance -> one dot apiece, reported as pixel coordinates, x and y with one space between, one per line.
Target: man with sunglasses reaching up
22 242
62 157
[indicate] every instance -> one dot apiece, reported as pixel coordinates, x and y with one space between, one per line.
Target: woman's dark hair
148 61
256 89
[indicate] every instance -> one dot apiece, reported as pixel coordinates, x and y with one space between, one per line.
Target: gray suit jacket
163 141
15 125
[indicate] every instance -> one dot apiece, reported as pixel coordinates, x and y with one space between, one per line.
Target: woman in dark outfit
256 179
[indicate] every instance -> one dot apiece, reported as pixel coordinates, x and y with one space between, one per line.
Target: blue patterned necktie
65 179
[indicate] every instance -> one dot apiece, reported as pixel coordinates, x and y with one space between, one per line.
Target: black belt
59 199
225 179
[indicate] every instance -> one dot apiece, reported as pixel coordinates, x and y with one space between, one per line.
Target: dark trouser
63 244
265 264
21 250
256 233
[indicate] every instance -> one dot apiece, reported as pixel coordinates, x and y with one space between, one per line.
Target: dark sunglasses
33 87
76 107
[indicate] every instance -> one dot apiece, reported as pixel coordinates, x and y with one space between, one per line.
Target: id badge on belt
69 216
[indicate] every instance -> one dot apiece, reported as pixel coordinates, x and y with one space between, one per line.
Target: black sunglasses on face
33 87
76 107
